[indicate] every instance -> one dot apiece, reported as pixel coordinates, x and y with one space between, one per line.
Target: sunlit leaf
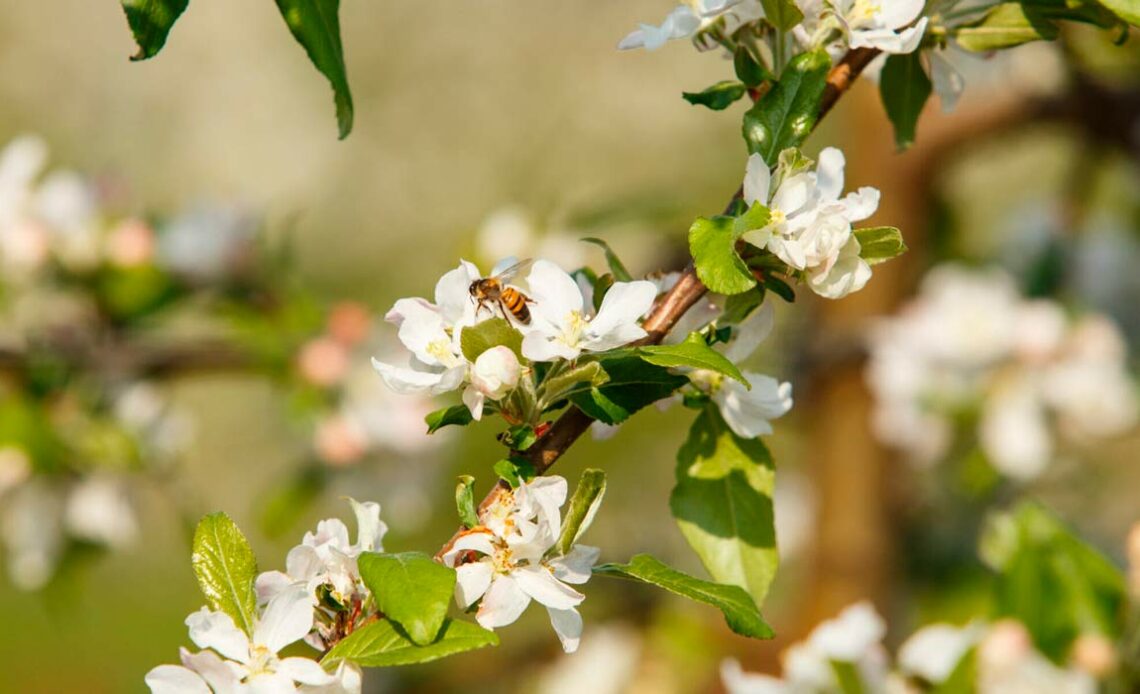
410 589
787 114
316 26
226 569
382 644
151 22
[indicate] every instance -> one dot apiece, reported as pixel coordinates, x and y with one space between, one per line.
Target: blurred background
218 217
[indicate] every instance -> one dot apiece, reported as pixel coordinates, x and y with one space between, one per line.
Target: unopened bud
349 323
323 361
338 442
1094 654
131 244
1006 645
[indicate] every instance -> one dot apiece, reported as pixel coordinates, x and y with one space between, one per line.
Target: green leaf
1128 10
410 589
583 506
963 678
739 307
723 504
738 608
226 569
780 288
476 339
748 69
150 22
383 644
717 97
1051 581
633 384
514 471
465 501
615 264
694 352
783 14
712 243
591 373
905 89
879 244
848 677
786 115
316 26
1006 25
457 415
756 217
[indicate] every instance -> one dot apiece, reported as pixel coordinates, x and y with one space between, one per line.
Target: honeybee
495 290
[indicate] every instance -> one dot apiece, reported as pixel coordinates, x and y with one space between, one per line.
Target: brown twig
687 292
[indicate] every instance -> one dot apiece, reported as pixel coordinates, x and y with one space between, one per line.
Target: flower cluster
512 557
851 646
810 224
970 345
319 598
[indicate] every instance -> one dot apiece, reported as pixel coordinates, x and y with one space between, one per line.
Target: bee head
473 290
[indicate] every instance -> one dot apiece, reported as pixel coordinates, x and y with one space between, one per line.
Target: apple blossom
505 561
687 19
246 661
560 325
494 374
889 26
810 225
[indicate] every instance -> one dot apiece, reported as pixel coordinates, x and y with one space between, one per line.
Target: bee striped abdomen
513 301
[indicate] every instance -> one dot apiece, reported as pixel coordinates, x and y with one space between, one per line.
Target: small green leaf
518 437
780 288
383 644
1128 10
848 677
410 589
786 115
712 243
226 569
738 307
583 506
695 353
783 14
615 264
738 608
601 288
514 471
1006 25
963 679
465 501
151 22
316 26
476 339
457 415
723 504
905 89
717 97
756 217
589 374
748 69
879 244
633 384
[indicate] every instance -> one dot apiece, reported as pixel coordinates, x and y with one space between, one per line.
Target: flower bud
131 244
323 361
1007 644
349 323
1094 654
496 372
339 442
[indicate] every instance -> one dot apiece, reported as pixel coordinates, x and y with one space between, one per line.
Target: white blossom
810 225
512 566
889 26
493 374
561 326
231 660
687 19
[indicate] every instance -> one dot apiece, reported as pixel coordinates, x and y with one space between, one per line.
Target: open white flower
327 558
431 333
885 25
934 651
245 660
689 18
810 225
504 562
560 323
494 374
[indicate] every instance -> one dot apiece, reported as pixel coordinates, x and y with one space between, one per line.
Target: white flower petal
471 581
539 583
555 293
757 180
304 670
370 530
219 674
568 625
287 618
540 347
829 174
453 292
625 303
502 604
896 14
271 583
749 412
751 333
474 401
861 204
217 630
736 681
576 566
175 679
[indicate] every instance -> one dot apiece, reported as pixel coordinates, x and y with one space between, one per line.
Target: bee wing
507 274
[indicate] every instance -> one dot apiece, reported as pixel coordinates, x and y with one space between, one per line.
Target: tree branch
687 292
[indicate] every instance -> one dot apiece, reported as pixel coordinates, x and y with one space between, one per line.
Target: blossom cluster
969 343
512 558
319 598
1006 660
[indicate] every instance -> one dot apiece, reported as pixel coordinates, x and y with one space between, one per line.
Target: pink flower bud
349 323
1094 654
131 244
323 361
338 442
